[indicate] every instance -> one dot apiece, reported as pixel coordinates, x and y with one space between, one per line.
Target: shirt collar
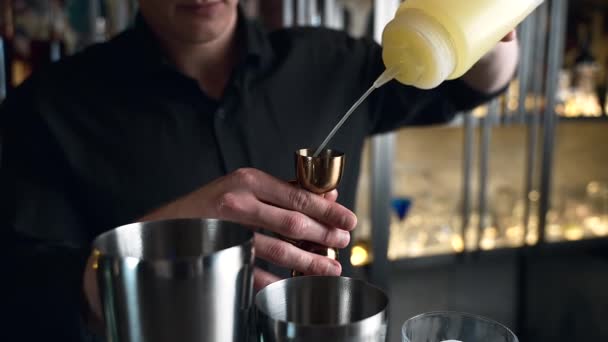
256 53
257 44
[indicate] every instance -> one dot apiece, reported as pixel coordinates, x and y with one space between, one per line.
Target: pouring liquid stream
384 78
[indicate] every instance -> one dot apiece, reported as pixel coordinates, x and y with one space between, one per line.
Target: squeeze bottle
430 41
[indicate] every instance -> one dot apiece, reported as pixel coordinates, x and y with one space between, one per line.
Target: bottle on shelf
33 37
7 33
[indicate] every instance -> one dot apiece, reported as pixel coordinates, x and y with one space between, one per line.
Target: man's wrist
92 319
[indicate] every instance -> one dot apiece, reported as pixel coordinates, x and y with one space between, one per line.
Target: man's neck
209 63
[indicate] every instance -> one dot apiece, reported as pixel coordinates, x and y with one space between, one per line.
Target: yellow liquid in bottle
451 35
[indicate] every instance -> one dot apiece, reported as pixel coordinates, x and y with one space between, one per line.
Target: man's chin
197 30
199 35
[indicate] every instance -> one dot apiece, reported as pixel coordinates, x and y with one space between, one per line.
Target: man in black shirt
195 112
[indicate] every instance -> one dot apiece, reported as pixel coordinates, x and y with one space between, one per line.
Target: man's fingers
331 196
317 207
297 226
286 255
246 209
281 194
261 279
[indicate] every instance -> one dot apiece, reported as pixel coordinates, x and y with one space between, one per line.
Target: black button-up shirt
103 137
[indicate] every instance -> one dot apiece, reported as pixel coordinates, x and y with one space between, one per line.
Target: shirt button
221 113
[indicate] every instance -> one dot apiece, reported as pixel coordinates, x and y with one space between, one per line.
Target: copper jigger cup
318 175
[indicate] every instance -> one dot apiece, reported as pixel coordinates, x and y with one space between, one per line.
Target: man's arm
496 69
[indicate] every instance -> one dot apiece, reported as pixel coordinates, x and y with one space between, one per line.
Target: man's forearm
495 70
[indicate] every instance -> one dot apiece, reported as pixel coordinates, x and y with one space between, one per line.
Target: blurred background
506 217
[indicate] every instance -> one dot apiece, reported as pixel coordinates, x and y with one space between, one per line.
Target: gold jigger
318 175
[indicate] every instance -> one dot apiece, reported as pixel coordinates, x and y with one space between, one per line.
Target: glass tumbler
454 326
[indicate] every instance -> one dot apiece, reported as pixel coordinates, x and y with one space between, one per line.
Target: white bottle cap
424 49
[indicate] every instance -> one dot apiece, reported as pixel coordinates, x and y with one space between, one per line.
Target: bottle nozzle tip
386 76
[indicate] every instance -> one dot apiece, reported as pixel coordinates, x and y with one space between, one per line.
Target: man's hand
497 68
510 37
257 200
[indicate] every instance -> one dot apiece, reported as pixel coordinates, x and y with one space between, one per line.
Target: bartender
193 112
